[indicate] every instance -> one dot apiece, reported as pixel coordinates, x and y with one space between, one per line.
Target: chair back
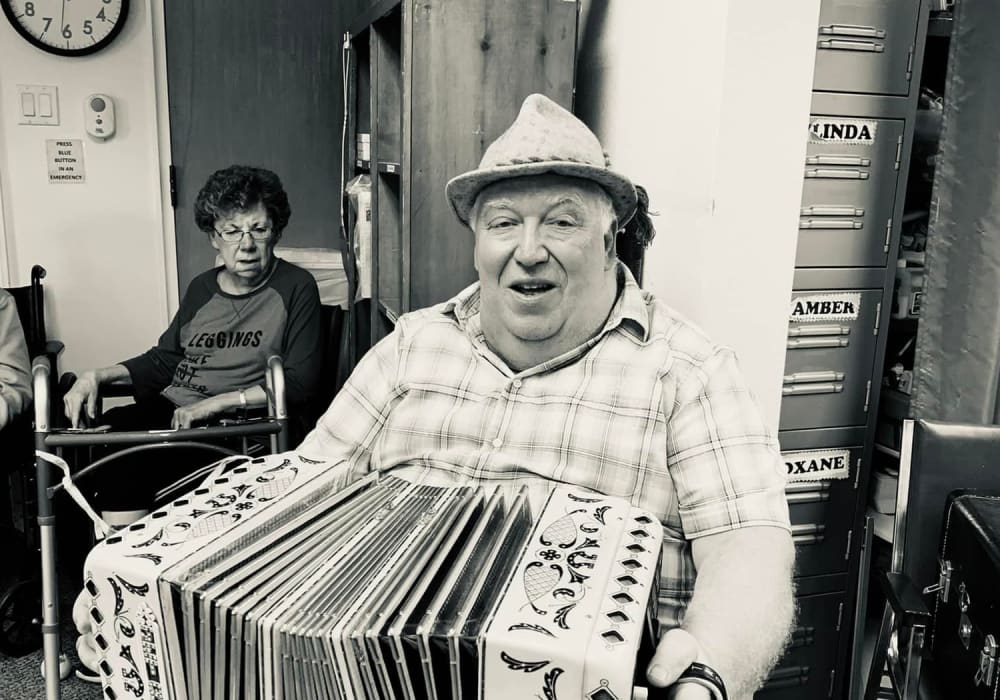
31 310
937 458
332 347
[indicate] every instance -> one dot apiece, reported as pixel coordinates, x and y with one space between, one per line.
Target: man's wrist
705 676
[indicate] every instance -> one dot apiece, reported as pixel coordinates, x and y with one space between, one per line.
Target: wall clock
67 27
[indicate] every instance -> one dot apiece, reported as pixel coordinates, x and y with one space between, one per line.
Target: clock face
67 27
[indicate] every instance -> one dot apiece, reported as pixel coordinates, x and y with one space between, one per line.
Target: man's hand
83 394
185 416
677 650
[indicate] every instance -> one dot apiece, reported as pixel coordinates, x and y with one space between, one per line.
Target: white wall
703 103
706 105
102 242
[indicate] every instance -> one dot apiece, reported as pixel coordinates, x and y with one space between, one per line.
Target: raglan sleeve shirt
152 371
226 339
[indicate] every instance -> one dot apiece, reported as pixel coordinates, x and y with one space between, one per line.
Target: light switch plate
43 100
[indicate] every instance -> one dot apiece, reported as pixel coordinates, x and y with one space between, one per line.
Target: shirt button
497 442
517 383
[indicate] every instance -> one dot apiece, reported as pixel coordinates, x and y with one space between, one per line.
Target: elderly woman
212 357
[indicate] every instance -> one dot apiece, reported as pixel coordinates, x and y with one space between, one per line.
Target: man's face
545 256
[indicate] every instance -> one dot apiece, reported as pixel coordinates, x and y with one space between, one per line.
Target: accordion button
497 442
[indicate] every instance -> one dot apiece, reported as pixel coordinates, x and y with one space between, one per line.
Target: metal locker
821 497
829 358
866 46
849 191
807 670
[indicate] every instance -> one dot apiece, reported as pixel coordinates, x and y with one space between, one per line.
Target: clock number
88 27
67 34
100 15
29 9
48 23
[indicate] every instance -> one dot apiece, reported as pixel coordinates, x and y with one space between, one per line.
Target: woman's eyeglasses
236 235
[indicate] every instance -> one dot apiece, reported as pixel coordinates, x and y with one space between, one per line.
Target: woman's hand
82 394
185 416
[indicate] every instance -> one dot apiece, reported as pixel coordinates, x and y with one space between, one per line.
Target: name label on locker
856 131
826 307
817 465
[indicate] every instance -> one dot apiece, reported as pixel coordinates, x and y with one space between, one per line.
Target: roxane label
817 465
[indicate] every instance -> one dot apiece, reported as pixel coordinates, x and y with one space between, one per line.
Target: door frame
169 239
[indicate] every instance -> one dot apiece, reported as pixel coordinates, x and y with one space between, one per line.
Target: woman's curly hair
239 188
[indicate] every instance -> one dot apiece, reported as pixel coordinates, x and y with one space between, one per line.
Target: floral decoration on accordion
120 573
567 562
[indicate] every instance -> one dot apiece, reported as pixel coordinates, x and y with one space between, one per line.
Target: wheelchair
20 588
52 442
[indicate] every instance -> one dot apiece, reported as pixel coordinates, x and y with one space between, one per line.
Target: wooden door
257 83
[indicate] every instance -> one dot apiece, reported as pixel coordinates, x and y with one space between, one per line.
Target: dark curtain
957 363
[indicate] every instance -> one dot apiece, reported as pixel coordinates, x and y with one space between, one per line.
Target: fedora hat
544 138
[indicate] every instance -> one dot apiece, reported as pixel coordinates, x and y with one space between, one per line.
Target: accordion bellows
275 581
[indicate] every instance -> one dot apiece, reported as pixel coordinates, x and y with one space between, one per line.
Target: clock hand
62 16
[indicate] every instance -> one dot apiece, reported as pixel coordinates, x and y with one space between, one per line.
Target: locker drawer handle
807 487
827 174
838 160
808 533
806 377
818 342
803 540
852 30
802 637
780 683
845 45
787 677
830 210
806 389
830 224
815 329
807 497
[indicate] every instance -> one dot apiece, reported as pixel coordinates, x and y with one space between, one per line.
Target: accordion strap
707 677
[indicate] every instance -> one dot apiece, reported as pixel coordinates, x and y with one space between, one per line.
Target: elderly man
556 367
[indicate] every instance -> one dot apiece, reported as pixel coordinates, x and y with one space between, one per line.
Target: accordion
278 581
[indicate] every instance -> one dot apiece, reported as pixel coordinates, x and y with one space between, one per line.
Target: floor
21 677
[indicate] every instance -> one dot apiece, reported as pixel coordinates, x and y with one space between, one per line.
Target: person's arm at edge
15 375
742 611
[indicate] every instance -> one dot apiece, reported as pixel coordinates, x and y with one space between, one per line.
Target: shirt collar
630 309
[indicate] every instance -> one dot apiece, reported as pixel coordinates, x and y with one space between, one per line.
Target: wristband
243 399
706 677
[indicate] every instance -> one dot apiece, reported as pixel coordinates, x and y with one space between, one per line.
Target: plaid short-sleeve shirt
649 410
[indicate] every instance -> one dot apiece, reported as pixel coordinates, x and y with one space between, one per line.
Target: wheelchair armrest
905 600
54 347
116 389
120 388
